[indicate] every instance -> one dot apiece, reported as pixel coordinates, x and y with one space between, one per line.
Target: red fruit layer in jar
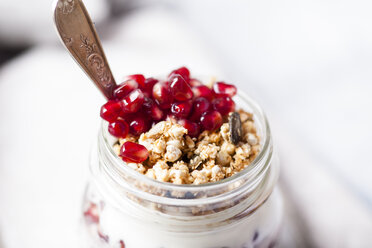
140 102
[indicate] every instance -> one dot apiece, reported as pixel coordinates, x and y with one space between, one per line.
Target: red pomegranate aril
133 102
138 125
182 71
152 109
139 78
92 214
200 106
193 129
111 110
148 85
180 90
156 113
211 120
224 105
181 109
123 89
162 95
118 128
202 91
133 153
222 88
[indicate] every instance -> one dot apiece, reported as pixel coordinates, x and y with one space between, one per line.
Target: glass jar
125 209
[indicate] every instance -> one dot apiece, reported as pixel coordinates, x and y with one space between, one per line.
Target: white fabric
25 22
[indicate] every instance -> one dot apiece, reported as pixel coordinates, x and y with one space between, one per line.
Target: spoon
80 38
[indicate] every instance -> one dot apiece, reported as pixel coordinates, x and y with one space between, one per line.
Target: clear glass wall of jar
125 209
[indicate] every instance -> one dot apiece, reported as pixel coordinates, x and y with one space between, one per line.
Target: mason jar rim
120 164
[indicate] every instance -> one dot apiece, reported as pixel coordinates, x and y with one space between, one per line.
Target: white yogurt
256 230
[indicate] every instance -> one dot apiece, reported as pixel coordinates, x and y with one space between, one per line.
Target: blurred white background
308 63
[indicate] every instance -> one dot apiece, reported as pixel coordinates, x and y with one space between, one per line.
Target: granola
177 158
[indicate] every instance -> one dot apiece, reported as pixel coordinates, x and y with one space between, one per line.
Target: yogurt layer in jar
138 205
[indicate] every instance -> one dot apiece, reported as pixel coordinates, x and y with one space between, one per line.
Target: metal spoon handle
79 36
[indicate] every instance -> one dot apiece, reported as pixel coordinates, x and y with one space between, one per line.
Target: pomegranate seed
111 110
221 88
202 91
200 106
180 90
224 105
148 85
133 153
181 109
122 244
162 95
139 78
194 82
211 120
123 89
138 125
133 102
152 109
183 72
92 214
193 129
118 128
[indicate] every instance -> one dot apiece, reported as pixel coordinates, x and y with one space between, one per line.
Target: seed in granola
172 154
228 147
235 127
175 142
195 162
223 158
159 146
251 139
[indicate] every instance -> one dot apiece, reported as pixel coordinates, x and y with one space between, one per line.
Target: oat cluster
177 158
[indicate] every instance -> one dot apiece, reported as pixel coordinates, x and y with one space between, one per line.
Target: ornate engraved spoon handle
80 38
